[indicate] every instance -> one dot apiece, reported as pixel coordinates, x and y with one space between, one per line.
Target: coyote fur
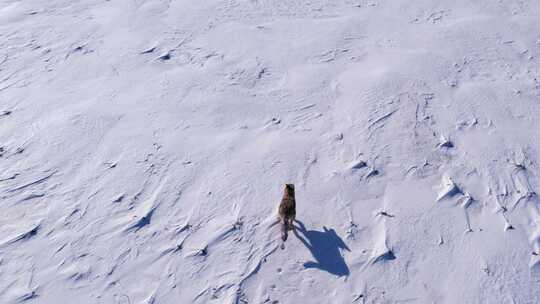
287 211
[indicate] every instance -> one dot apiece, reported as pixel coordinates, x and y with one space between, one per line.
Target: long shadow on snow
325 247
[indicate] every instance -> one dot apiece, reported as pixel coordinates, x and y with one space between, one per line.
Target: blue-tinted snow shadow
325 247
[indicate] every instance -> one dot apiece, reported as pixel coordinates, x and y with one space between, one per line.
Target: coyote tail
284 232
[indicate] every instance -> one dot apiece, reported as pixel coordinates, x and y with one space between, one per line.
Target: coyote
287 211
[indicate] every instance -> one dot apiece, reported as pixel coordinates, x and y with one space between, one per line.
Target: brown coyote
287 211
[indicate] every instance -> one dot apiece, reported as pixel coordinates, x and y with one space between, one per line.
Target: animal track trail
262 241
525 197
203 248
309 163
255 262
378 247
216 231
231 287
133 213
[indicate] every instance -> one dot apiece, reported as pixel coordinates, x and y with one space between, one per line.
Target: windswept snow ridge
144 146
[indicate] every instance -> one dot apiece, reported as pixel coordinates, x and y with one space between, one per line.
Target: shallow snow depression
144 146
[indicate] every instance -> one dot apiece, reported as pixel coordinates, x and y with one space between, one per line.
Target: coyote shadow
325 247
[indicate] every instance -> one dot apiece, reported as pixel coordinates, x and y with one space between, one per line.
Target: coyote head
289 189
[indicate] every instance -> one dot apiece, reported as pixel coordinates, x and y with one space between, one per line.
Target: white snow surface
145 146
